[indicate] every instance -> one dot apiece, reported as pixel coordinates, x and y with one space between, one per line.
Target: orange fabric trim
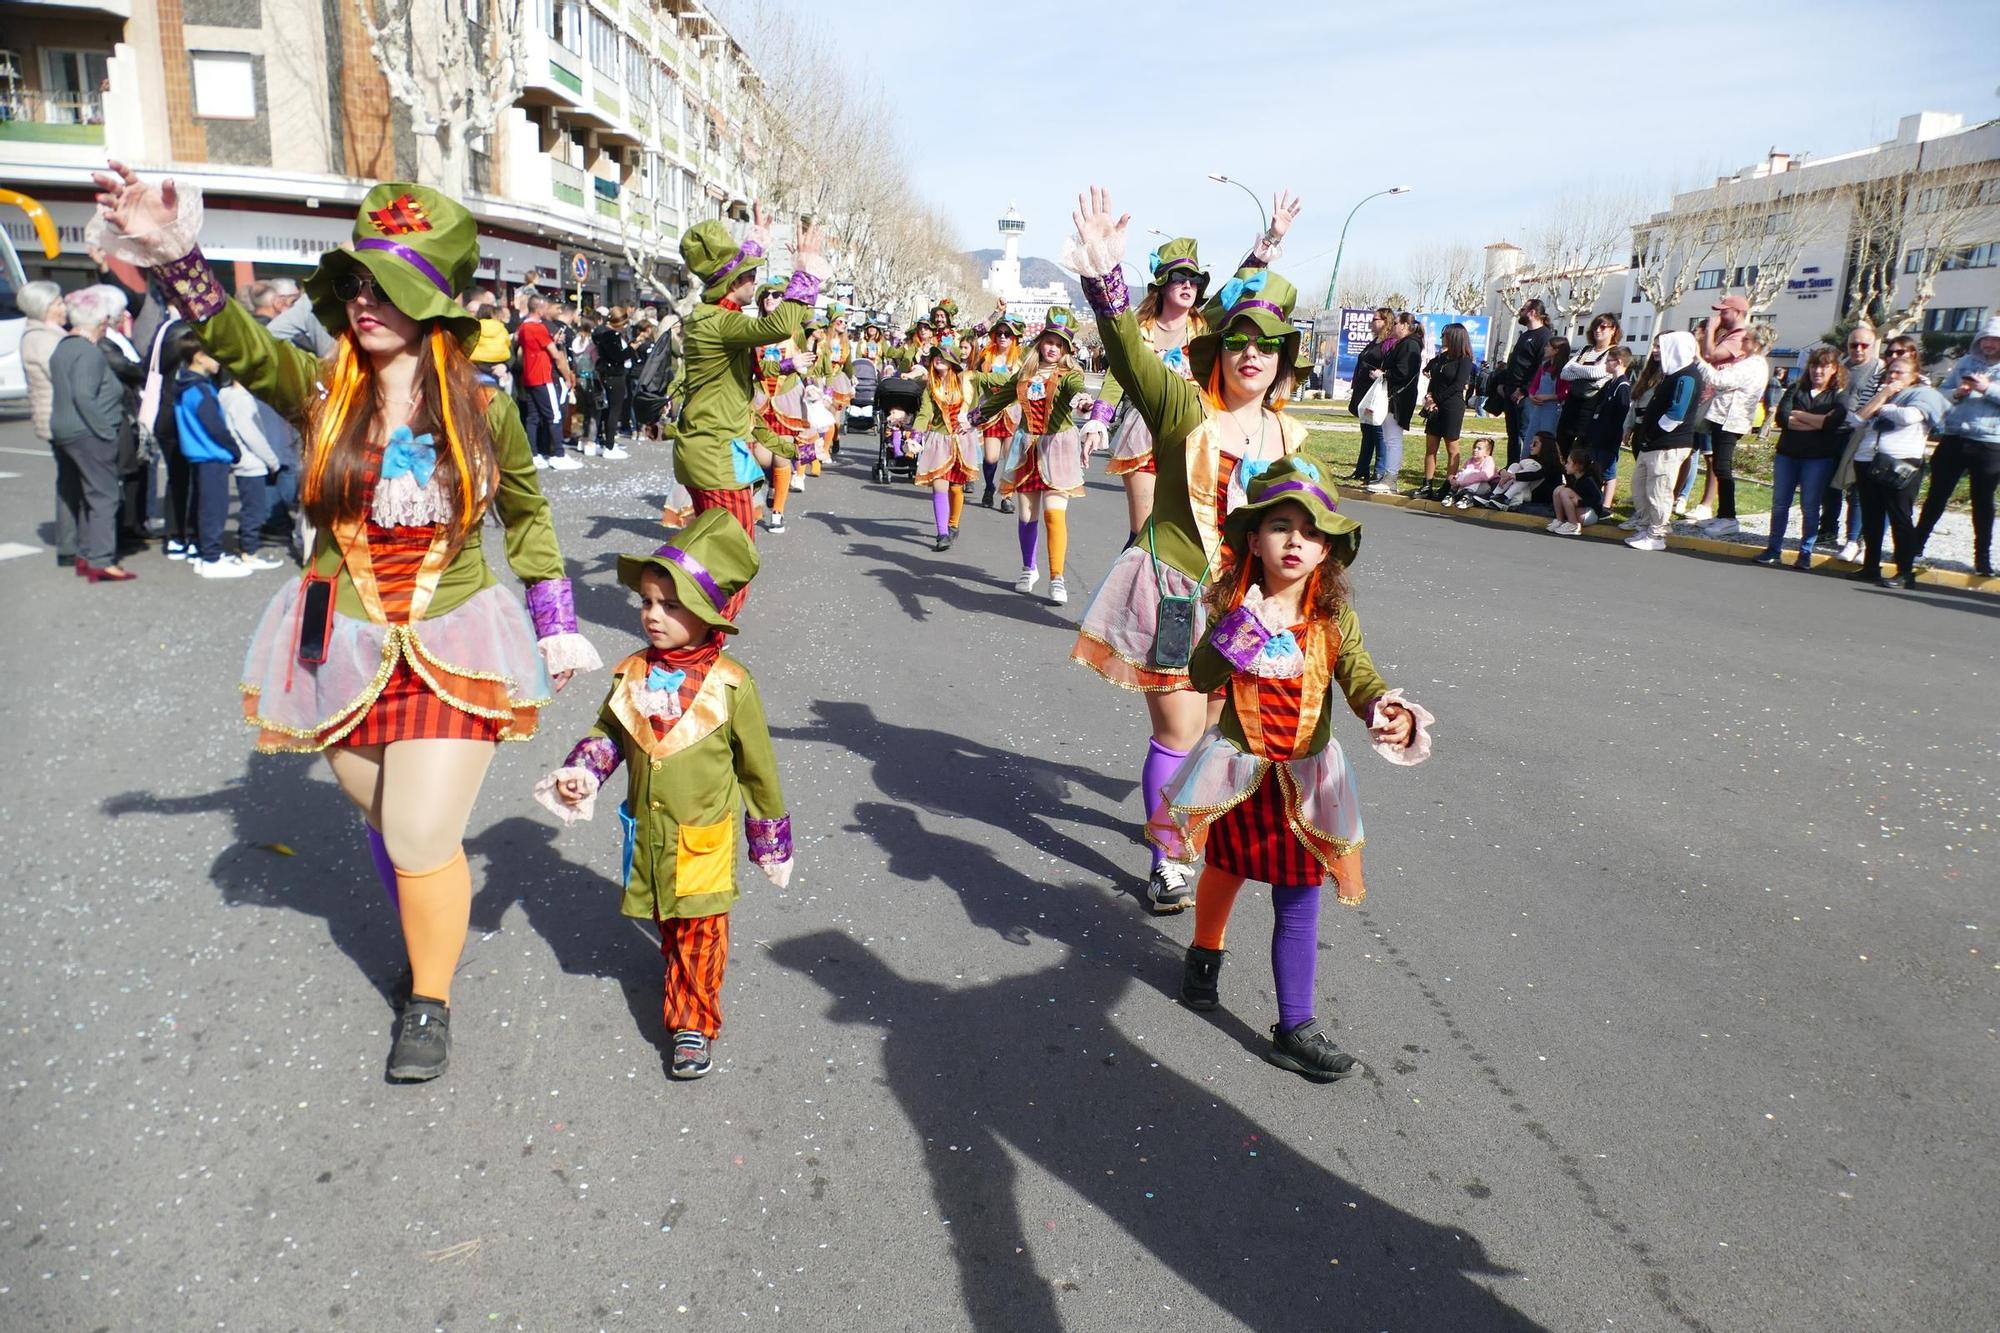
352 536
1102 658
708 711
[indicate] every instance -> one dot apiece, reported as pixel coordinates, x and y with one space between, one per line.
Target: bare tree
1448 277
1668 250
1582 241
453 74
1362 286
1913 226
1760 232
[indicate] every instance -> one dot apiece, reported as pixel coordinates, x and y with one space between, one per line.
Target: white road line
28 453
11 550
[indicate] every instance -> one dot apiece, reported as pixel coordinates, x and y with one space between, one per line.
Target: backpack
656 384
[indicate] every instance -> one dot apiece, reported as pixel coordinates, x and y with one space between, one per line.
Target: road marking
10 550
8 476
28 453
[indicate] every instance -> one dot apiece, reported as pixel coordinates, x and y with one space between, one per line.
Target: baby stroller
861 412
896 402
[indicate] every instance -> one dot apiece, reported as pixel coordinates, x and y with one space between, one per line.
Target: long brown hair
1148 313
1327 587
449 407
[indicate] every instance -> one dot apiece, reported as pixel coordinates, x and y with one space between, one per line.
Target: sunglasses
1236 342
349 285
1859 347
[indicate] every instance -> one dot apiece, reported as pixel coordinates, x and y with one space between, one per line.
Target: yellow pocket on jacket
705 860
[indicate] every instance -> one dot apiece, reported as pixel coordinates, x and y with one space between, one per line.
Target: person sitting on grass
1478 472
1579 498
1522 482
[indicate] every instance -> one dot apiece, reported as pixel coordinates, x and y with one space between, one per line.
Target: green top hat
950 353
716 258
1179 258
420 247
1257 296
1061 321
835 310
709 560
950 308
1294 477
1010 325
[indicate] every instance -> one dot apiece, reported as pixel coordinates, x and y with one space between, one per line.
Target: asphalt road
1677 979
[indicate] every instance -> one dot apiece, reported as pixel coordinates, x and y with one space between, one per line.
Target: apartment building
633 121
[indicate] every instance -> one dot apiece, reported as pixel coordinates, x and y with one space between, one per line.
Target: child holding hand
1267 793
685 719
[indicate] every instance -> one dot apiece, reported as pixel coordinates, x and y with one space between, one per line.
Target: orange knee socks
781 486
437 909
1058 521
1214 897
957 504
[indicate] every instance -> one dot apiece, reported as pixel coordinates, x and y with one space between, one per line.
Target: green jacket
1354 675
721 358
1113 391
688 791
288 377
930 414
999 394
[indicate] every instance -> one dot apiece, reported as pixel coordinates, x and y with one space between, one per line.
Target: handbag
1374 409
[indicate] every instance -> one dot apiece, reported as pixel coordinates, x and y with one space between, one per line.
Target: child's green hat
710 560
1061 321
1293 477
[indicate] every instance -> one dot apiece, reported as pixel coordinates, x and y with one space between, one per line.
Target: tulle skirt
948 458
1120 627
839 391
1035 463
480 657
1131 444
1316 807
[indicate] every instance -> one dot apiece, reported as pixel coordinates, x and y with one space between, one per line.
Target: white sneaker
1058 594
1553 525
259 561
589 450
1680 509
615 452
541 463
565 463
1851 552
1568 529
774 522
1722 527
225 568
1381 488
1700 514
798 483
1646 542
1029 578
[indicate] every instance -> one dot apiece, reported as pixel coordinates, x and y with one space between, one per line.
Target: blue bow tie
1280 644
661 680
409 455
1250 469
1237 288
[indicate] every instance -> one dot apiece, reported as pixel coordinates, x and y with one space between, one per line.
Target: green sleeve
771 440
272 369
1111 391
532 551
927 413
1208 669
1170 405
756 762
999 391
736 330
1072 385
1354 670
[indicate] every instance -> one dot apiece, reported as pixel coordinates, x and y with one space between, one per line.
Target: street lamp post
1262 216
1334 276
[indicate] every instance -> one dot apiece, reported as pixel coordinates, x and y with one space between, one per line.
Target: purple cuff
787 366
553 607
770 839
803 286
1102 411
598 754
192 287
1107 295
1239 637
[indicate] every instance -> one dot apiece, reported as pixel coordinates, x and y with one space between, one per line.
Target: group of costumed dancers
400 656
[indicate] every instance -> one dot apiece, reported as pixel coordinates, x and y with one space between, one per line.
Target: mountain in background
1034 273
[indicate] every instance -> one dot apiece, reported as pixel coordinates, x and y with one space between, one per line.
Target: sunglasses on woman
349 285
1236 342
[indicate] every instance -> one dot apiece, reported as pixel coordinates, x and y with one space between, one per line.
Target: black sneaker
1307 1051
1199 971
986 498
690 1055
943 542
1006 505
423 1041
1168 891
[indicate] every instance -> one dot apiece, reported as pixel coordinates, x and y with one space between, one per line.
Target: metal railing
46 108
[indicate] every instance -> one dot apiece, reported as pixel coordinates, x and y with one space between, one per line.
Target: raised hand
1095 225
760 224
809 239
1285 208
132 206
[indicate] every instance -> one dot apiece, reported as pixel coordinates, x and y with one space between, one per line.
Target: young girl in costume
398 654
1268 794
948 448
1167 321
686 721
870 347
1045 459
779 400
1002 358
1211 435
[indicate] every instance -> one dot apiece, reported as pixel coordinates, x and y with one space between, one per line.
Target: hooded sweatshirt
1667 422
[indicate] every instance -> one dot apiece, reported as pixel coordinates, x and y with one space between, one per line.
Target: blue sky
1487 116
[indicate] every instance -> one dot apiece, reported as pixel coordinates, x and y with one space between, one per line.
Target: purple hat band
1253 302
409 256
695 570
1272 492
746 252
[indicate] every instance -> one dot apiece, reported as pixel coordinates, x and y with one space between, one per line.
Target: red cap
1737 303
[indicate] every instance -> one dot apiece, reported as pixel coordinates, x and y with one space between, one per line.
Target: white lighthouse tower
1003 275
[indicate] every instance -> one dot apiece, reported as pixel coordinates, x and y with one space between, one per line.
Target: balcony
31 116
566 183
606 192
552 75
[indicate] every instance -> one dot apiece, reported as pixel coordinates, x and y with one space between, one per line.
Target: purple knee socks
1153 775
385 869
941 510
1294 951
1030 534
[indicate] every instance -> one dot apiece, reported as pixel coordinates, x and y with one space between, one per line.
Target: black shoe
943 542
1909 578
954 531
1006 505
1199 971
1307 1051
986 498
1866 575
423 1041
65 562
1167 891
1982 571
691 1058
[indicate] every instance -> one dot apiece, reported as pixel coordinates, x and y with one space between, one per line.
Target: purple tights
1030 534
1153 775
385 869
1294 951
941 511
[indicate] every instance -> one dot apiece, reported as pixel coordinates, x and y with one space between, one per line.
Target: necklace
1263 426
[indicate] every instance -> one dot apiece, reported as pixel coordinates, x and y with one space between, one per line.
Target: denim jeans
253 498
1391 463
1371 451
211 507
1807 477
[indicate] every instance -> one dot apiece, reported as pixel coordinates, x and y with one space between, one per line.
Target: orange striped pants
696 951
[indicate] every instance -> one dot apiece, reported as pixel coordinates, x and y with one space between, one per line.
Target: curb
1822 564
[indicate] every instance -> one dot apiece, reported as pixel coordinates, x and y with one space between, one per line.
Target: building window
72 86
562 20
1745 276
638 68
1954 319
225 85
1974 256
603 44
1913 260
1708 279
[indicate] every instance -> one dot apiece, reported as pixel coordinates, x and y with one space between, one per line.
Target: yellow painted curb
1822 564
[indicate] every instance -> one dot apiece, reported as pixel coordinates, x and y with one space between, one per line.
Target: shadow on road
1027 1067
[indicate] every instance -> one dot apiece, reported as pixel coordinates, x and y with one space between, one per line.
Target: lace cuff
770 839
568 652
1265 252
191 286
545 794
164 245
596 755
1419 748
1108 295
